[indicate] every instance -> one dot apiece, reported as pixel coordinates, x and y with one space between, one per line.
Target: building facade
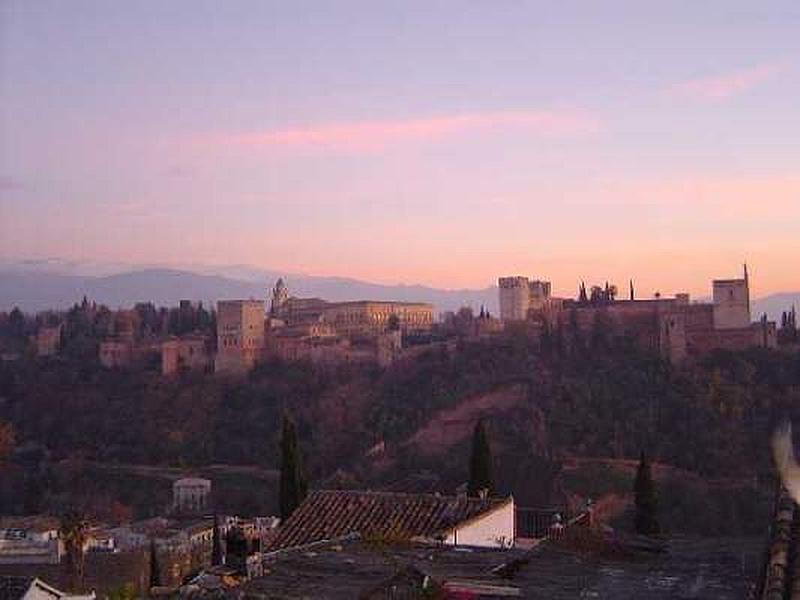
519 295
366 317
190 353
240 335
673 326
191 496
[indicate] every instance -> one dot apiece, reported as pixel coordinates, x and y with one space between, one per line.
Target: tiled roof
329 514
781 576
707 568
14 588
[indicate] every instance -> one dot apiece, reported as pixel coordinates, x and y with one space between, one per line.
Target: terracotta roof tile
328 514
781 576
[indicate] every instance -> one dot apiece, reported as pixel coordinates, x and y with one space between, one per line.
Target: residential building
451 520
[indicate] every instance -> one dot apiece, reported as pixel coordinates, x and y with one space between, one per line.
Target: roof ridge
413 495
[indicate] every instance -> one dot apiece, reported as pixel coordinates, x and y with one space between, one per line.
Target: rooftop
329 514
712 569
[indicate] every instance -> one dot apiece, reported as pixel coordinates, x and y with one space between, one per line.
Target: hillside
543 408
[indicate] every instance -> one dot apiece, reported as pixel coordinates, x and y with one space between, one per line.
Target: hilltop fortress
315 329
242 333
675 327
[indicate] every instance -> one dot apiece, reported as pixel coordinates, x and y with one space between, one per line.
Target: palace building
673 326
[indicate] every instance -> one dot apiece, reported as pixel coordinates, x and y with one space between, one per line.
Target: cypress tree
480 463
155 575
236 549
582 298
646 517
293 485
216 549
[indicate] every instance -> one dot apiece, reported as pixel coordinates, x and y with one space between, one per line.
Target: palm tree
73 534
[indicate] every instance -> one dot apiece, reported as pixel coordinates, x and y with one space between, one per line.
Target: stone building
48 340
367 317
240 335
675 327
189 353
350 319
731 303
519 295
280 295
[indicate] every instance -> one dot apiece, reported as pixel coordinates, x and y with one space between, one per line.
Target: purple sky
428 142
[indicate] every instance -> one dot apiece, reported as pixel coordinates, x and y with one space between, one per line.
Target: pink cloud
720 87
371 135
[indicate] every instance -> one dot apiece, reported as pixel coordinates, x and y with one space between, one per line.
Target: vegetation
645 501
480 464
593 394
293 485
155 571
72 531
217 555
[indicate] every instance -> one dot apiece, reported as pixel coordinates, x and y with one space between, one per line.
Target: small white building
30 540
191 495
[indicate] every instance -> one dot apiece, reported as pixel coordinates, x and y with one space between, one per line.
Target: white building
191 495
30 540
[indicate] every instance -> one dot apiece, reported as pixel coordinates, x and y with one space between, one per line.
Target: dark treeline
86 324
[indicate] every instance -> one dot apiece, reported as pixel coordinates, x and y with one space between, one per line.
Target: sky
443 143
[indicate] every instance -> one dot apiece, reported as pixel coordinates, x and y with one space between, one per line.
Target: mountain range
56 284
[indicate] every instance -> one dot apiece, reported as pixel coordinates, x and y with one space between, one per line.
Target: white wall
493 530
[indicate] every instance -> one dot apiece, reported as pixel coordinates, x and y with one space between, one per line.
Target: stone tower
280 294
515 298
732 302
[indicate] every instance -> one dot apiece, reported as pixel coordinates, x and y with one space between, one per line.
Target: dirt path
451 426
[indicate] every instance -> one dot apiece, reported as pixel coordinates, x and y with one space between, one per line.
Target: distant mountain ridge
55 284
37 290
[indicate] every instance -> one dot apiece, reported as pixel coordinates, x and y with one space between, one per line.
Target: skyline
445 145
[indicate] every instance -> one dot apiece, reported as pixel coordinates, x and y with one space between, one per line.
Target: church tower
280 294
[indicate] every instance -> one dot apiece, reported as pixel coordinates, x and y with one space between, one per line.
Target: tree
7 440
236 549
73 533
480 464
155 573
16 323
293 486
582 298
216 549
646 517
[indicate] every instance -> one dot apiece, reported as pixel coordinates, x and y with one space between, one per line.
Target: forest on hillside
598 397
